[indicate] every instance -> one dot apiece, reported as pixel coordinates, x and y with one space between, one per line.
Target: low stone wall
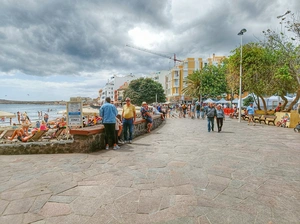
79 143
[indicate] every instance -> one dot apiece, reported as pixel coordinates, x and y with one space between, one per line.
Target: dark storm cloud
215 31
68 37
72 37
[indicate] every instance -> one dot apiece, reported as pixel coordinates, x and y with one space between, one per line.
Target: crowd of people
122 125
27 129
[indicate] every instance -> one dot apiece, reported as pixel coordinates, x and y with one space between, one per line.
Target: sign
74 113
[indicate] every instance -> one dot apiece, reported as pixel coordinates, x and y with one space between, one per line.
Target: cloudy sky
54 49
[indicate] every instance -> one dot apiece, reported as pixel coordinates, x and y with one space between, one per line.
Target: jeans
127 126
198 113
210 123
202 114
220 124
110 133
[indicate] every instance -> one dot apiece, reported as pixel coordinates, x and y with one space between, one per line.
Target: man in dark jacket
210 114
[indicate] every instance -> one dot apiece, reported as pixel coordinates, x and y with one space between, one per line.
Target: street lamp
240 94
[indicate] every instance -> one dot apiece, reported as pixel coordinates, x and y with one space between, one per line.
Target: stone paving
179 173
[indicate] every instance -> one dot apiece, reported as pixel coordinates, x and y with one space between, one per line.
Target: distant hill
2 101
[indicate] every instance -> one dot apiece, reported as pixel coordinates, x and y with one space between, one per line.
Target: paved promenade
178 174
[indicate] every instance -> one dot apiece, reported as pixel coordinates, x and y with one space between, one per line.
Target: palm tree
193 85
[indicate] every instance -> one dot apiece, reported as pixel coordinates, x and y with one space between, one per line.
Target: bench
256 117
245 117
267 119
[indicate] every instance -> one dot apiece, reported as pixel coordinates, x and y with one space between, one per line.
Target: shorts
149 120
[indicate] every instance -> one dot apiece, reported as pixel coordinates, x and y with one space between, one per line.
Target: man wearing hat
128 118
250 112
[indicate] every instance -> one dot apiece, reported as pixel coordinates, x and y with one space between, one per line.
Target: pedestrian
108 112
46 117
210 114
193 110
128 118
250 113
202 112
184 108
19 117
198 110
220 117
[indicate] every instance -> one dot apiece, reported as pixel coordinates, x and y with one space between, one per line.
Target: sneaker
130 142
116 147
121 141
106 147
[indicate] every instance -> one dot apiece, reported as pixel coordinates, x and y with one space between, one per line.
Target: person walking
19 117
108 112
184 108
193 110
210 114
220 117
198 110
128 118
250 113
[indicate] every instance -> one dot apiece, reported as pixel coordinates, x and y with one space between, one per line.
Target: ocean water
54 111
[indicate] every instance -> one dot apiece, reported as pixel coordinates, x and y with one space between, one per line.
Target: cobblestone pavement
179 173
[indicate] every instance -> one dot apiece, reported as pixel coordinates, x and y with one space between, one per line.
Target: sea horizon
33 111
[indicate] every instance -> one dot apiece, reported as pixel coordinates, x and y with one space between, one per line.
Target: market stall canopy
4 114
222 101
236 100
209 100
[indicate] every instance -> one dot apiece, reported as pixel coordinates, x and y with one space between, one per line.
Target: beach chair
37 136
2 133
7 133
56 134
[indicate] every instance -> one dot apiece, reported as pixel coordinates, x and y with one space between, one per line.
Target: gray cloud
75 37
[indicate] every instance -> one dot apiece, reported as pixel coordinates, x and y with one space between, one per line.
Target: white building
159 77
113 84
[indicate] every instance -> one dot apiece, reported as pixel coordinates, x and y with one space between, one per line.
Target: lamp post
240 93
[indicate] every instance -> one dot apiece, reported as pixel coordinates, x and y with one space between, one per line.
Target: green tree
257 70
214 80
286 45
193 85
145 89
209 82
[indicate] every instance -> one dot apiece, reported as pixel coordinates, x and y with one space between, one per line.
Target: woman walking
220 117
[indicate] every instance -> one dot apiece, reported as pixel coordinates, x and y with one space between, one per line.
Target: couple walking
212 112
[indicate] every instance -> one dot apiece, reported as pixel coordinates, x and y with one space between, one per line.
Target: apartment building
114 83
175 78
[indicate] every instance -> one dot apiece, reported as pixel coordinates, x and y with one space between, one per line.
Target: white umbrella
4 114
86 111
